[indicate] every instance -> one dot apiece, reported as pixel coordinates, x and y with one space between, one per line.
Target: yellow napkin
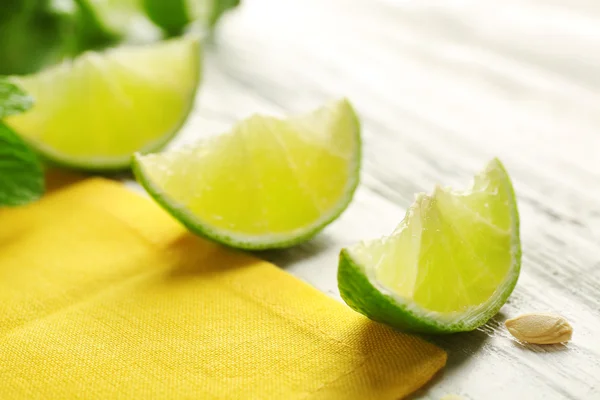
104 296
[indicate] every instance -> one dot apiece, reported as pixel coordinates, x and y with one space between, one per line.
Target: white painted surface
441 87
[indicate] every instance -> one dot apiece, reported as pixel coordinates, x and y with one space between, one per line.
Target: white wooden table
442 87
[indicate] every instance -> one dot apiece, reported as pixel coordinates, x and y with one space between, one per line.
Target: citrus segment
267 183
94 112
450 264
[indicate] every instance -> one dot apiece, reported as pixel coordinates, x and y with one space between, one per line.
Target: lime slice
269 183
96 111
448 267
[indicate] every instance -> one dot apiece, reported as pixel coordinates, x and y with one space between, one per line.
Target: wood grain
441 87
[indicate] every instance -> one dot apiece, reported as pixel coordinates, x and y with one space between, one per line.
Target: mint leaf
219 8
13 100
21 174
33 34
89 31
174 16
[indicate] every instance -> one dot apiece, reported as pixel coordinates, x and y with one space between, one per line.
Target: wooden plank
441 87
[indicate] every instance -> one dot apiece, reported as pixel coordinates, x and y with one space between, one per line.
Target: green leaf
33 34
171 16
220 7
89 31
21 173
174 16
13 100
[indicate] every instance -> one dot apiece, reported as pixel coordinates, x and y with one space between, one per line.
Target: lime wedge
268 183
448 267
96 111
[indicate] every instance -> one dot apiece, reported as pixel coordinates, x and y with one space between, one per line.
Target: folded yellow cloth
104 296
